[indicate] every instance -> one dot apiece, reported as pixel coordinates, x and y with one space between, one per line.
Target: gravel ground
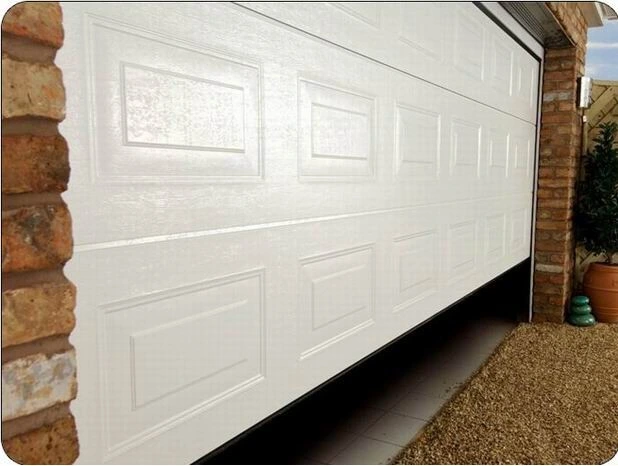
548 395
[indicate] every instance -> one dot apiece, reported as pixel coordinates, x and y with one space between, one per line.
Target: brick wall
38 362
560 150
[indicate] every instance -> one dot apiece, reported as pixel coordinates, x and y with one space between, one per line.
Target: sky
602 54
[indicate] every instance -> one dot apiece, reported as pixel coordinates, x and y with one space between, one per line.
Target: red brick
549 289
559 159
540 299
34 164
562 214
36 237
551 225
554 182
561 75
557 117
37 21
565 84
561 193
550 86
50 444
555 161
557 300
558 279
566 173
549 106
566 106
557 203
541 277
547 172
37 311
31 89
566 64
551 64
549 246
562 235
544 193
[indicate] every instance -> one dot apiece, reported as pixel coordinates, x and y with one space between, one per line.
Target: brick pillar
38 362
560 151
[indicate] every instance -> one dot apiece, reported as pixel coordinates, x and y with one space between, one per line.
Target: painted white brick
35 382
549 268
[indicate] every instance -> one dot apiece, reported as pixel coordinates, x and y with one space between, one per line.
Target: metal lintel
540 22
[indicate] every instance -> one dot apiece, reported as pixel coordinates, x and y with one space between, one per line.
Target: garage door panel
520 231
369 12
183 342
148 96
330 280
242 253
500 67
423 32
453 45
180 350
469 46
525 80
461 255
337 292
495 237
418 140
465 155
416 268
338 308
497 159
396 161
337 133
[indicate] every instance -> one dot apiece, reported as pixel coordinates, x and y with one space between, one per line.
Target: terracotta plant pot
601 286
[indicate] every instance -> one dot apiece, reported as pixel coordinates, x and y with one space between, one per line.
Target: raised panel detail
336 133
521 153
336 297
339 133
367 12
165 111
416 269
525 76
180 350
417 142
519 229
498 151
495 237
461 257
465 147
420 27
170 349
469 45
501 66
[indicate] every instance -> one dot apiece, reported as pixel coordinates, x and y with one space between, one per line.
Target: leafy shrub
597 213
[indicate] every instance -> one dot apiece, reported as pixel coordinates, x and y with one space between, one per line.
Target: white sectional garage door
259 205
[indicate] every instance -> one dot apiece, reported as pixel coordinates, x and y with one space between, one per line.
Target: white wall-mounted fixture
584 95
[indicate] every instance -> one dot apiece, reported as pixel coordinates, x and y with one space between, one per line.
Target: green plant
597 213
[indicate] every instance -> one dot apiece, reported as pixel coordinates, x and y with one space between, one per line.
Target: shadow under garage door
263 198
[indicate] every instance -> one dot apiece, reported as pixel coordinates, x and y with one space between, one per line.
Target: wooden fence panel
604 108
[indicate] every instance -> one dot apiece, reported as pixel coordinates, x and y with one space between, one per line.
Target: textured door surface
256 208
